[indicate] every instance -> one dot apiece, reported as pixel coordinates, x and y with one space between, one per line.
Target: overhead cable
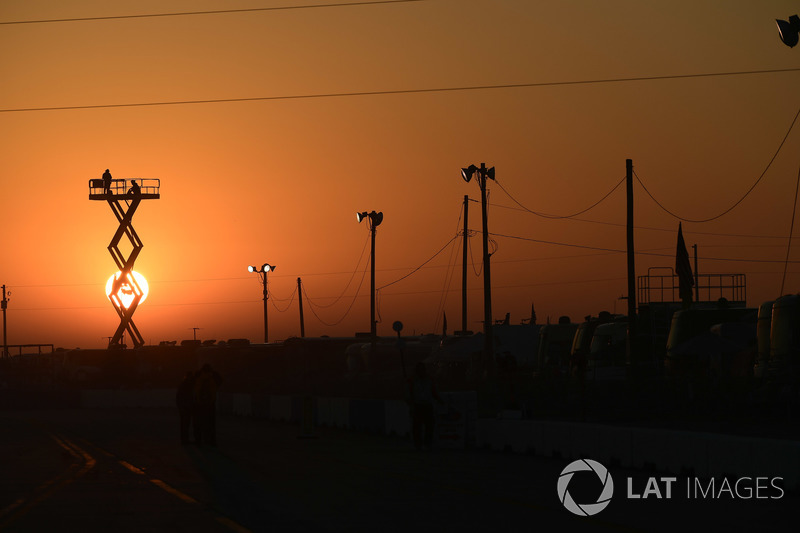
545 215
737 202
616 250
210 12
395 91
651 228
791 231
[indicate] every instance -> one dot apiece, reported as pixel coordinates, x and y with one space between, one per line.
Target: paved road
124 470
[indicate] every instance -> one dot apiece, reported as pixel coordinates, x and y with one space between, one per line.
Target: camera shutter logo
587 509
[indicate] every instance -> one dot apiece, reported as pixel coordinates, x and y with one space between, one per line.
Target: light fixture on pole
483 174
266 267
789 31
373 220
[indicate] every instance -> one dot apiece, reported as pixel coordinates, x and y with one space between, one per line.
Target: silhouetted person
135 190
206 384
106 182
422 393
184 399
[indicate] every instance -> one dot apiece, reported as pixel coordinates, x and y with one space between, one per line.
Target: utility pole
488 347
464 247
631 263
373 221
5 306
262 272
265 298
696 276
373 326
300 300
483 174
194 332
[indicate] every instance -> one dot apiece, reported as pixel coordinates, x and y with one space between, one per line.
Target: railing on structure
150 188
665 288
19 348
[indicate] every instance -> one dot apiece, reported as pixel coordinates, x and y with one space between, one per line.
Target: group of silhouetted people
135 189
196 399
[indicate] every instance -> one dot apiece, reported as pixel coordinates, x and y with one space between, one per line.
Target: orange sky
280 181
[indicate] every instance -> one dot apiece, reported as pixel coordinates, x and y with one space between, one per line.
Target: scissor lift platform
120 189
124 201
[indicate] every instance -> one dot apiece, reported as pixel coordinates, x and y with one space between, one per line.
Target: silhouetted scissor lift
124 203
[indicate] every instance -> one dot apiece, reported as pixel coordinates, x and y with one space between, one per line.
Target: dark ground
124 470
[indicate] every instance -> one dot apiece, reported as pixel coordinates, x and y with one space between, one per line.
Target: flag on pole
684 270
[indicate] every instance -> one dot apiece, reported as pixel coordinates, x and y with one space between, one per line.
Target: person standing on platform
106 182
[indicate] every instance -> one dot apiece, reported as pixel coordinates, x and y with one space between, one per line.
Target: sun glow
128 290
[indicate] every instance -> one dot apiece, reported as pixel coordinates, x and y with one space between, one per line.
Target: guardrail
148 188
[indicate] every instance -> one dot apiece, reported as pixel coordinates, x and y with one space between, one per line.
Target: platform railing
149 188
666 288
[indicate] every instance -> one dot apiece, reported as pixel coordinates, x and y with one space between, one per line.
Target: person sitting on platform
135 190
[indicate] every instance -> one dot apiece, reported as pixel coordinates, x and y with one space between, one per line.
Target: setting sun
127 291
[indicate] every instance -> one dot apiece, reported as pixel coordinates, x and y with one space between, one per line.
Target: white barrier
324 416
398 420
456 420
242 404
280 408
340 412
612 446
676 452
128 398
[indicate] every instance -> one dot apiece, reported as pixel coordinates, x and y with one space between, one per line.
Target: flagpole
683 269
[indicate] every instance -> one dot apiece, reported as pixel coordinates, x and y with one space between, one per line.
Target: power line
400 293
449 273
477 271
449 276
397 91
515 286
311 303
347 311
249 278
181 304
616 250
740 200
213 12
352 276
545 215
791 231
650 228
434 291
290 299
431 258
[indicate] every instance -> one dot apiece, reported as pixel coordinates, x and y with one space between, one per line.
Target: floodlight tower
789 31
262 272
123 202
483 174
374 220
